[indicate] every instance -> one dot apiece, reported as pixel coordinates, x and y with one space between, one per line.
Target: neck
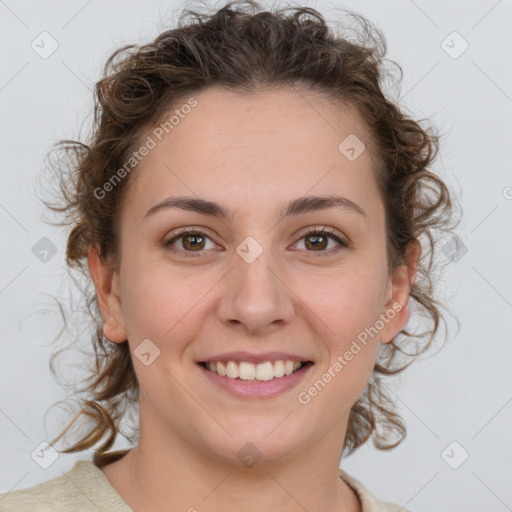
167 473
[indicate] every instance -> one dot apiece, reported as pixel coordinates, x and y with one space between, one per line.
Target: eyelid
187 230
323 230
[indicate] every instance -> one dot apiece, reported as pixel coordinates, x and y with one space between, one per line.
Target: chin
257 439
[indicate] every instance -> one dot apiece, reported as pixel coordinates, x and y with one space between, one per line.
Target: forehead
224 118
235 148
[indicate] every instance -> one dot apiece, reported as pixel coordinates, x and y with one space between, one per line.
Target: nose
256 297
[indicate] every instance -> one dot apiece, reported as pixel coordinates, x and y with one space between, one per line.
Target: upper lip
254 358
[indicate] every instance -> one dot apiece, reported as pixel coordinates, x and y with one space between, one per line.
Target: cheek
347 313
161 301
347 301
347 308
149 298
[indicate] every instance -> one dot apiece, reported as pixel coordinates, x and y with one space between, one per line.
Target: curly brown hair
245 49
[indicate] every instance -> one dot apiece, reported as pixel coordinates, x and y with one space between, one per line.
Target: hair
243 48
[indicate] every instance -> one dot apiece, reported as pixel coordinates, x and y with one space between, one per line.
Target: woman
251 210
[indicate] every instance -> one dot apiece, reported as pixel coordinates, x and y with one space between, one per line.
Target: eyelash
310 232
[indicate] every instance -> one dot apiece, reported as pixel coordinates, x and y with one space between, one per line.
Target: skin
253 154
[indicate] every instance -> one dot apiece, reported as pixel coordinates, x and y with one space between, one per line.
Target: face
254 281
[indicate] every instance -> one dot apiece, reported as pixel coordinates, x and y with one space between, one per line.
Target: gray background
462 394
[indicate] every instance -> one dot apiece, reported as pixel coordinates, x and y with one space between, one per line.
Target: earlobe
397 310
106 283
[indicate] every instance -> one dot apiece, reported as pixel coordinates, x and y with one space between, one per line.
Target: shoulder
369 502
55 494
83 488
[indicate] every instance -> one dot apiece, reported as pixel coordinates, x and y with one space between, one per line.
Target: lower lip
256 388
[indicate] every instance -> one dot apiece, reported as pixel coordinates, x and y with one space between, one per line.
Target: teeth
248 371
219 367
279 369
231 370
265 371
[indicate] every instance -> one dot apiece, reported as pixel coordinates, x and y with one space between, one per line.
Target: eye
318 239
191 241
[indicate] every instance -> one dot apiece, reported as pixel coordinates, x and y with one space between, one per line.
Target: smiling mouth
263 372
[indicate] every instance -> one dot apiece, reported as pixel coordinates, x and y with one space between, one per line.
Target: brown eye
317 240
191 241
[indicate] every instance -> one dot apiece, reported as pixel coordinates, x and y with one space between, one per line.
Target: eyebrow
296 207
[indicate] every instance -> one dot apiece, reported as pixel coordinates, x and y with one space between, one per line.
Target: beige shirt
84 488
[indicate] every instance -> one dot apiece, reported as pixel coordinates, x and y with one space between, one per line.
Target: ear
106 282
396 310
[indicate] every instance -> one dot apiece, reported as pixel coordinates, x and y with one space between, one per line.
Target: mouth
250 372
251 381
